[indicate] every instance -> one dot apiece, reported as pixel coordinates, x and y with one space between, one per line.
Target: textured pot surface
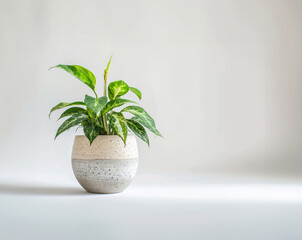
107 166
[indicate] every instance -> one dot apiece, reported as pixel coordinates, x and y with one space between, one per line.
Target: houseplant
105 159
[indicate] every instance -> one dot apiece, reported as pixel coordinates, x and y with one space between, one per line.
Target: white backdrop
221 78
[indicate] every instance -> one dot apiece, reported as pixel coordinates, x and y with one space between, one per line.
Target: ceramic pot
107 166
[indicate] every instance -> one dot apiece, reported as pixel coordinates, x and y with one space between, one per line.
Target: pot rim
82 135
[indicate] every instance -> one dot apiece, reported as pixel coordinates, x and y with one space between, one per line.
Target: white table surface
154 207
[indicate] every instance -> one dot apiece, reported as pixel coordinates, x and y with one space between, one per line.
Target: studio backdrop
222 79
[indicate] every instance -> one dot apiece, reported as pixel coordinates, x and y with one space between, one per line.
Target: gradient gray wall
221 78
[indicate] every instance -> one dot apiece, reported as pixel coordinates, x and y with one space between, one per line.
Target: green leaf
118 125
95 104
145 124
91 132
138 130
63 105
136 92
80 73
72 111
108 65
71 122
144 118
115 103
117 89
100 126
91 114
106 76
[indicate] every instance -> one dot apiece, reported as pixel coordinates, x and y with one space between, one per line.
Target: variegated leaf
143 118
146 124
117 89
136 92
63 105
71 122
72 111
114 104
138 130
118 125
95 104
91 132
81 73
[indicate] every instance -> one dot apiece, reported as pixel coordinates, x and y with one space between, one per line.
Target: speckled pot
107 166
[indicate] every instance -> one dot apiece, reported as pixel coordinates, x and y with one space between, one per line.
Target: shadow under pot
107 166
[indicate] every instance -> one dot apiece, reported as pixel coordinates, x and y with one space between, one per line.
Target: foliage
95 114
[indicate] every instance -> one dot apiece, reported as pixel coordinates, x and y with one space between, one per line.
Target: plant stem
105 123
105 84
105 94
95 94
105 76
104 117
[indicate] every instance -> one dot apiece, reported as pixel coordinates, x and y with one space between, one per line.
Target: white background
222 79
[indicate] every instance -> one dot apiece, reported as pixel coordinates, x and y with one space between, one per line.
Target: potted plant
105 159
